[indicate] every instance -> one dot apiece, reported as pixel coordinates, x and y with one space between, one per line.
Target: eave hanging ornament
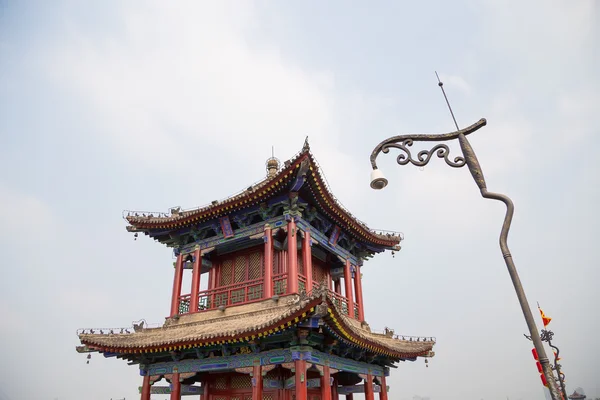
89 356
426 363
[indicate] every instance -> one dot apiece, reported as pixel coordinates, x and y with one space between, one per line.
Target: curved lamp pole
403 143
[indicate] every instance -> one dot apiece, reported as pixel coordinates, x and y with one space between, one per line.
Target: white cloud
186 79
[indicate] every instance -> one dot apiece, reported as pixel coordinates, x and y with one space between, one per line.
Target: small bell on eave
88 358
426 363
135 236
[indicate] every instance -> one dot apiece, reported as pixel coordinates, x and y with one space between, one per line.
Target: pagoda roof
303 164
248 322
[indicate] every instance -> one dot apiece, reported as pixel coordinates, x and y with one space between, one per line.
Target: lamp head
378 181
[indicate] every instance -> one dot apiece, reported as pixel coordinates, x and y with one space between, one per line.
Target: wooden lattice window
254 266
241 382
226 269
221 383
276 263
318 272
241 268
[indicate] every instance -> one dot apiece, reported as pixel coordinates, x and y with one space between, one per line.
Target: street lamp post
403 143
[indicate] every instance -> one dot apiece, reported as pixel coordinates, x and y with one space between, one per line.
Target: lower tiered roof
246 323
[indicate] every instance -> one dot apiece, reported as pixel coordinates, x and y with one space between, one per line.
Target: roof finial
273 164
306 146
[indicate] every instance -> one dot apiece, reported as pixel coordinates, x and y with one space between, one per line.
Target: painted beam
272 357
239 235
342 390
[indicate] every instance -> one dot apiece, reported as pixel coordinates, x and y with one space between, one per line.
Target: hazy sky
113 105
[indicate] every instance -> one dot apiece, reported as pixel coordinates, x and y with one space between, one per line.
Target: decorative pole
403 143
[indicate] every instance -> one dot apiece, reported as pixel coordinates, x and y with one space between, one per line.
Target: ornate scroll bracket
404 142
423 157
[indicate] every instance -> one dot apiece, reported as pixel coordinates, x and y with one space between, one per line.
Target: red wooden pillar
268 275
369 395
358 292
196 272
328 278
146 388
338 286
307 260
257 383
206 393
348 283
334 390
383 393
175 387
350 396
177 285
301 391
325 384
292 253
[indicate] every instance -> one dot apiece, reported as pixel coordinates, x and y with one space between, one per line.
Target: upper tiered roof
303 165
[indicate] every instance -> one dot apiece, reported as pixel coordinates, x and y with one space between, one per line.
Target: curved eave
224 338
265 190
347 334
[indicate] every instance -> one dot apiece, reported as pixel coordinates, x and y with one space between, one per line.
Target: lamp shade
378 181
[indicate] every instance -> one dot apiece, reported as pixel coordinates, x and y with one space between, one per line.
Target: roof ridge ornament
306 146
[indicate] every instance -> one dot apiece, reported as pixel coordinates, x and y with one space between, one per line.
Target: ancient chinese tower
275 309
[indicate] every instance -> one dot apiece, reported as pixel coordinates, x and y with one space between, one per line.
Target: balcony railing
252 291
280 284
340 301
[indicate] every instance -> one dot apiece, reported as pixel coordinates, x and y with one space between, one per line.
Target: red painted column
328 278
177 285
146 388
292 253
206 393
257 383
301 391
325 385
176 387
307 260
349 396
196 272
212 283
338 286
348 283
358 292
334 390
268 275
383 393
369 395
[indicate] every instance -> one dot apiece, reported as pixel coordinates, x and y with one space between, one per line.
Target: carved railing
340 302
280 284
301 283
184 303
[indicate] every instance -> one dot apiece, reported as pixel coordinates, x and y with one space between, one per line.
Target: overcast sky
111 105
